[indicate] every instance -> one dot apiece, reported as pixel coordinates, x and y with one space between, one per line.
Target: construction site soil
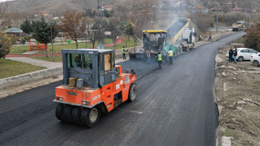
237 95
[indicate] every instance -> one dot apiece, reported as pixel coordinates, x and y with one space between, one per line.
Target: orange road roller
92 84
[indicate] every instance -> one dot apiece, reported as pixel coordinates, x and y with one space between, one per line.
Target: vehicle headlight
85 102
59 98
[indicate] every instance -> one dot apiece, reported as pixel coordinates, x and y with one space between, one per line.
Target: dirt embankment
237 90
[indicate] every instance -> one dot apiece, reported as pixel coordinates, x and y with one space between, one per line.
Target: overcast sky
1 1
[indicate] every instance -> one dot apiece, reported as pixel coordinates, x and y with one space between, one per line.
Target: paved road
175 106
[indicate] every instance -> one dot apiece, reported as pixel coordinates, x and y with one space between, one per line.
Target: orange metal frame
102 95
39 46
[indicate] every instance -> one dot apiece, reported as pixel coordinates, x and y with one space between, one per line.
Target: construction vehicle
154 39
181 37
92 84
178 36
240 25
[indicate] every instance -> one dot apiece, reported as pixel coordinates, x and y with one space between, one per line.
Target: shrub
252 39
5 45
203 21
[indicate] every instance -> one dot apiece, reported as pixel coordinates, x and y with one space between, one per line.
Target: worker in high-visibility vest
170 52
159 58
148 56
200 37
123 52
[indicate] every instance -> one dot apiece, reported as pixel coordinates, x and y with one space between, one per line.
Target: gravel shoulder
237 95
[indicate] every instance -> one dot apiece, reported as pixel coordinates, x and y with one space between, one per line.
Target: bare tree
73 24
92 33
114 31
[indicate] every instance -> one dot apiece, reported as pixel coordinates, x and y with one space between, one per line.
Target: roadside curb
29 77
223 141
20 83
226 141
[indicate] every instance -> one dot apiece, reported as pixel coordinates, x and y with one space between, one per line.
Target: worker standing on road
200 38
170 55
123 52
159 58
210 37
148 56
235 55
230 53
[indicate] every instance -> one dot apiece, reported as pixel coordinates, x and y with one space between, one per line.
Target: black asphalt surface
175 106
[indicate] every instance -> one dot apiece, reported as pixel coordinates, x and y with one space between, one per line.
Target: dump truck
239 25
178 37
92 84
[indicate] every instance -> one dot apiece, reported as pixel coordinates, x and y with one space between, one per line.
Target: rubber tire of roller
75 114
59 111
85 117
67 114
133 88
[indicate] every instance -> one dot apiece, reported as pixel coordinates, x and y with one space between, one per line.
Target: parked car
243 53
255 59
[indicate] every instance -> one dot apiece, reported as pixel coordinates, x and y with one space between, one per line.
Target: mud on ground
237 93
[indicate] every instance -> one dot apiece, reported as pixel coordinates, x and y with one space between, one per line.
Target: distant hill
55 6
50 6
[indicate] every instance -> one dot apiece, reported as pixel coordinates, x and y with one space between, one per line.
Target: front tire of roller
67 114
76 112
59 111
133 92
90 116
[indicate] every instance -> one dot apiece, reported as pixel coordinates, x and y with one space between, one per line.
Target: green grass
229 132
240 40
59 58
57 47
10 68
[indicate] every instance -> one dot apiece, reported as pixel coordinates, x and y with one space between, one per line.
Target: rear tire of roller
76 113
67 114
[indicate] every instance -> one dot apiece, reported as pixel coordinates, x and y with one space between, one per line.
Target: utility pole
250 17
52 46
196 11
217 6
217 21
100 32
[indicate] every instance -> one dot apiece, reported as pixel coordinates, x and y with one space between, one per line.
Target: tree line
76 26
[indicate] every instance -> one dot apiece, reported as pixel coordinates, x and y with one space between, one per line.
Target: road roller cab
92 84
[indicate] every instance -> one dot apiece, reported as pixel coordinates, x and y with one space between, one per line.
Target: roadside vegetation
10 68
240 40
57 47
252 39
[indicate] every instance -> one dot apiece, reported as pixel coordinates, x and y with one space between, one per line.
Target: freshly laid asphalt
175 106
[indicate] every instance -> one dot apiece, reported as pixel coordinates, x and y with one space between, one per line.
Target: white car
255 59
243 53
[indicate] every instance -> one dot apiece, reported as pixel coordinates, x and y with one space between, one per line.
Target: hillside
50 6
55 6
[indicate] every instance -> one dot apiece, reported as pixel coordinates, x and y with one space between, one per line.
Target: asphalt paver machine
92 84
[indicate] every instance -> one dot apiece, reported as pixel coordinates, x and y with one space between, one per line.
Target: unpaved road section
238 98
175 106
